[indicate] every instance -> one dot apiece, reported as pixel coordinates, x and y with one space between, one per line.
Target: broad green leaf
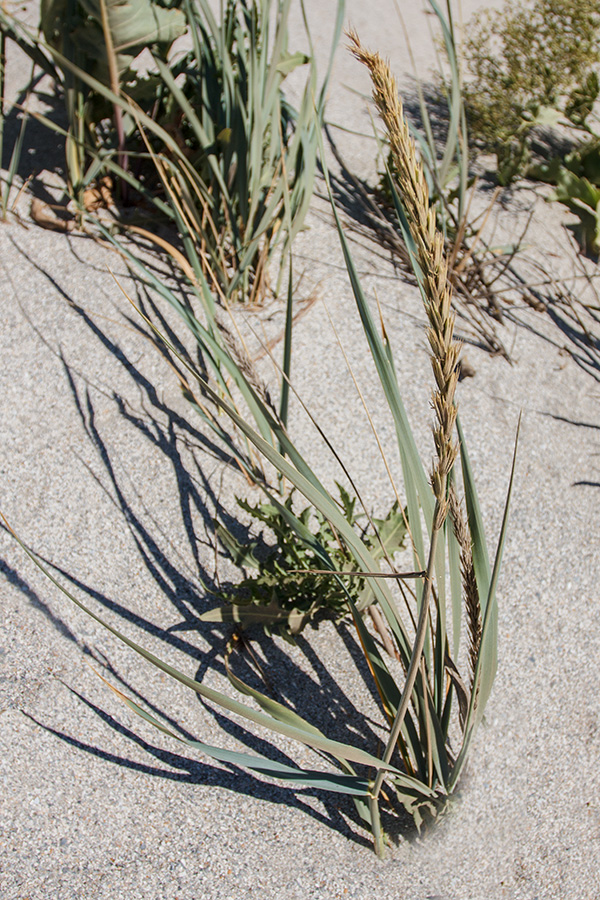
391 531
241 554
290 61
134 25
246 614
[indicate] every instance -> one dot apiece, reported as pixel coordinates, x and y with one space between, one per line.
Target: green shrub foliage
524 61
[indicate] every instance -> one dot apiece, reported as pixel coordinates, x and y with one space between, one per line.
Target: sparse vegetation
529 65
431 699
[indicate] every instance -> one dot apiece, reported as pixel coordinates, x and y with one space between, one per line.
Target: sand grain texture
105 474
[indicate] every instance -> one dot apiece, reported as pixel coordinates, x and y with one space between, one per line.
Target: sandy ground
106 475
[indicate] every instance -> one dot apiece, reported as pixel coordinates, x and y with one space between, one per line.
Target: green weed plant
286 590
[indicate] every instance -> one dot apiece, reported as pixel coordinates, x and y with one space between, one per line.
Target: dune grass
432 689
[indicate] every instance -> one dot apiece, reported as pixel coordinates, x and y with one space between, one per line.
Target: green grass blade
389 691
456 592
286 366
194 123
481 560
485 667
440 753
327 781
219 357
452 148
334 748
487 658
272 707
414 473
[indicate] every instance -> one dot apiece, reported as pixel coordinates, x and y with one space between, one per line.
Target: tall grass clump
430 641
205 136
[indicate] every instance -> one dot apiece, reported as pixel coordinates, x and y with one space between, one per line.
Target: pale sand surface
104 473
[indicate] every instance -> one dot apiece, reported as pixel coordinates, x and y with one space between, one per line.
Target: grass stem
417 652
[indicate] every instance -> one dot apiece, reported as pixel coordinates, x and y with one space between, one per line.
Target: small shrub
524 61
576 179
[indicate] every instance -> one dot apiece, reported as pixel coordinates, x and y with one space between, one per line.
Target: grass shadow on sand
185 581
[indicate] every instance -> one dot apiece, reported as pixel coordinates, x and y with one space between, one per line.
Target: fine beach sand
105 473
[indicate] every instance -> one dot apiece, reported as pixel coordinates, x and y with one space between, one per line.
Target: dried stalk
471 594
429 244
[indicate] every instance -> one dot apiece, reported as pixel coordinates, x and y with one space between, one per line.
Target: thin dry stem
246 366
471 594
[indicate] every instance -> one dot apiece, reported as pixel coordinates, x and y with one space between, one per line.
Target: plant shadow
180 768
43 149
187 583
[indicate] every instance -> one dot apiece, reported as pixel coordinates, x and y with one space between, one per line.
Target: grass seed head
429 243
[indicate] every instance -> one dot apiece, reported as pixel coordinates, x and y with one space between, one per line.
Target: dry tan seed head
429 243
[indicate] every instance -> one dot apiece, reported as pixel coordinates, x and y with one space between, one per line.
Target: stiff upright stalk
417 653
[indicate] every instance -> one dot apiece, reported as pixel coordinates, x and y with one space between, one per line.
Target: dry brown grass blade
470 591
173 252
43 215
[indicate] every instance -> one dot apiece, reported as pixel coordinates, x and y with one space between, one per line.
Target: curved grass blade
327 781
390 695
485 667
456 592
334 748
481 560
452 148
412 465
487 658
